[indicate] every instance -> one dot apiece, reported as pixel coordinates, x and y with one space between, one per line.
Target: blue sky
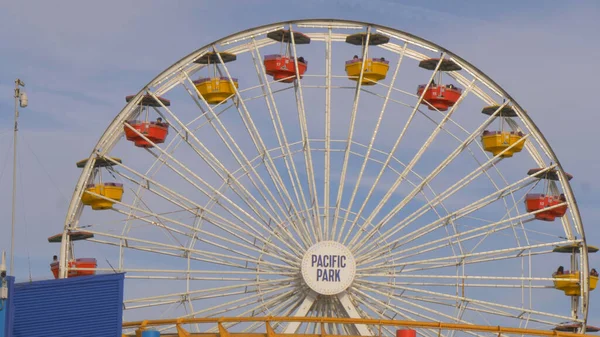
79 60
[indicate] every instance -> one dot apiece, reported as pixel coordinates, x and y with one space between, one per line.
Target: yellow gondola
111 191
569 283
101 195
498 141
375 69
216 89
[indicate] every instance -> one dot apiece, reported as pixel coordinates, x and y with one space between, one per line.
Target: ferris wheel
330 168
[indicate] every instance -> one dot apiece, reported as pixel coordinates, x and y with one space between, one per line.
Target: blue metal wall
5 305
87 306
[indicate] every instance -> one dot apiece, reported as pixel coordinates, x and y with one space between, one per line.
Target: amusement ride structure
335 174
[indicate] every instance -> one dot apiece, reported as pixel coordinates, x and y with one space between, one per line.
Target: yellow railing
181 332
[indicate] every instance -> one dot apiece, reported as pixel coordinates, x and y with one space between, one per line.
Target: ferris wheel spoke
402 176
237 207
392 151
502 253
379 307
197 295
217 258
255 135
370 146
441 223
459 237
431 247
458 277
303 309
313 207
197 231
397 309
352 311
246 163
357 91
163 251
193 208
219 169
151 172
468 178
529 146
479 309
327 160
446 194
280 133
465 286
240 296
475 301
279 185
290 238
282 309
276 301
238 303
211 190
152 304
473 262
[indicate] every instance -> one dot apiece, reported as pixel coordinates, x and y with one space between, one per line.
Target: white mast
22 101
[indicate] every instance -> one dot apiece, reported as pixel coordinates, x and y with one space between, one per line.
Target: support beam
353 313
302 311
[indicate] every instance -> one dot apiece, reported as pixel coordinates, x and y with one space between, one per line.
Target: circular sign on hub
328 267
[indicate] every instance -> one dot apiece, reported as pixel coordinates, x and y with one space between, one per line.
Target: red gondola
77 263
536 201
283 68
439 97
155 132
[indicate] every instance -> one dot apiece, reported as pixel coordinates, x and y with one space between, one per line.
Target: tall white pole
18 83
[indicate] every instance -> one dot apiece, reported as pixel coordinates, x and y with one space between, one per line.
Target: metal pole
14 183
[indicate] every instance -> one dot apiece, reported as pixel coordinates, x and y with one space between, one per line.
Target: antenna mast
22 101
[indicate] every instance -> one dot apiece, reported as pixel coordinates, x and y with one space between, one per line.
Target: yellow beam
323 320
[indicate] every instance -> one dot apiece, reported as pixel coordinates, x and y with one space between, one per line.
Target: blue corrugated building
82 306
5 304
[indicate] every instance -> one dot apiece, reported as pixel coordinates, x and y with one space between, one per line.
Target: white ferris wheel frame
179 72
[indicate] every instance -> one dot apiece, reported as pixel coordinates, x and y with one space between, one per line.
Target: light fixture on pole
22 101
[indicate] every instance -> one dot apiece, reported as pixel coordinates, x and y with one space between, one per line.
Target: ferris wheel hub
328 267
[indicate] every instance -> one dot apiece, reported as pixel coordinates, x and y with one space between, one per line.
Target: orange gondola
538 201
439 96
88 263
155 132
282 66
549 206
84 263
